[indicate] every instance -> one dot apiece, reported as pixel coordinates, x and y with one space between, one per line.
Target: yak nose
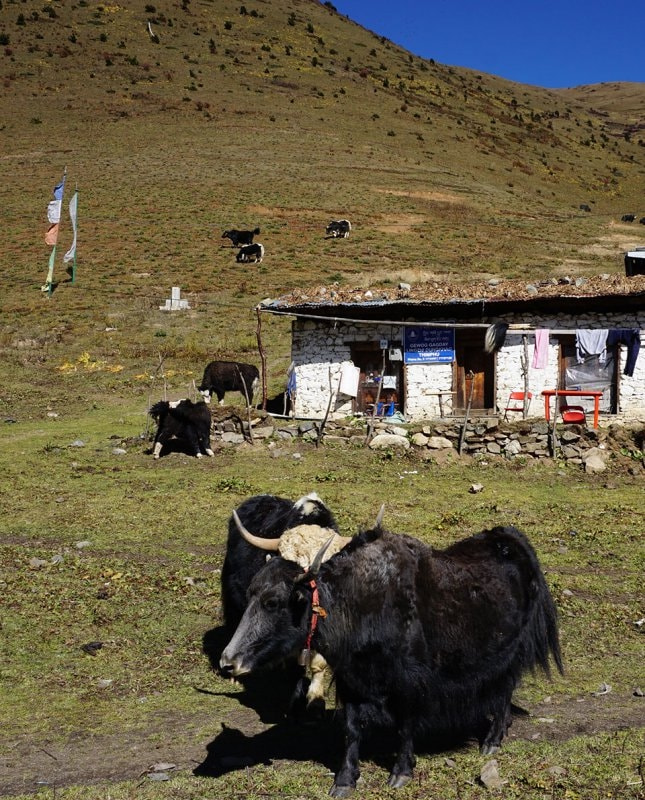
230 667
225 668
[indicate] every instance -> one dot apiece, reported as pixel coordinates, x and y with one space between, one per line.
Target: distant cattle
250 252
420 640
229 376
238 238
339 229
628 218
185 421
642 220
584 207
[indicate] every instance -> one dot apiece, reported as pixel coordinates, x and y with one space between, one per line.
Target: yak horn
315 564
379 516
256 541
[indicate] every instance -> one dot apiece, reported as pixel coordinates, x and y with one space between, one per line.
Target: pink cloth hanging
541 352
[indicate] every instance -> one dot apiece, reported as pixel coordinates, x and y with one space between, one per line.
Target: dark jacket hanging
631 337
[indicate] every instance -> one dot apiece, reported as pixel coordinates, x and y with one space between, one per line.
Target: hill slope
178 121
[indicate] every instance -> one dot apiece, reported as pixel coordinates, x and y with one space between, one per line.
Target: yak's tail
539 638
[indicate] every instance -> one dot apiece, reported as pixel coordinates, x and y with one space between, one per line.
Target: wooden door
471 358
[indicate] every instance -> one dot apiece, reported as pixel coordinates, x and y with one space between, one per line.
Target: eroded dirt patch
213 746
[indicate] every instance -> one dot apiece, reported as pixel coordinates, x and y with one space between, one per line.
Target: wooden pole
263 359
324 422
248 403
370 425
553 438
471 377
524 361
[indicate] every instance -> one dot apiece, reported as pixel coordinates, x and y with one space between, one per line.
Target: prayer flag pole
51 237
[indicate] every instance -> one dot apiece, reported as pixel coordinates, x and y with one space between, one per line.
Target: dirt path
26 765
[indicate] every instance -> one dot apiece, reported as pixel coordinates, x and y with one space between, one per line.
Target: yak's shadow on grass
268 693
292 737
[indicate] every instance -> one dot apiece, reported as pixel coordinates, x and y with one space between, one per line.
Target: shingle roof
608 292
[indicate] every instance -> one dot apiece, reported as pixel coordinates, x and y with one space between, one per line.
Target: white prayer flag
53 211
73 210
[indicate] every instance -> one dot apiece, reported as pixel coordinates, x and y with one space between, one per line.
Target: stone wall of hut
320 348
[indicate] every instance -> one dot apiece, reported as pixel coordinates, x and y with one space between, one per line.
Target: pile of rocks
440 441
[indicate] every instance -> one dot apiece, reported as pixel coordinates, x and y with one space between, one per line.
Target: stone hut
440 350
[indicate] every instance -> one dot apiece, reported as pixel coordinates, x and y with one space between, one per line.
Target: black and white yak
339 229
185 421
250 252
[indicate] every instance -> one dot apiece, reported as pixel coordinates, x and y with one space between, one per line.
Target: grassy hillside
281 115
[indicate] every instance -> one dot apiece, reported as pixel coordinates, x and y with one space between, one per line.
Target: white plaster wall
319 349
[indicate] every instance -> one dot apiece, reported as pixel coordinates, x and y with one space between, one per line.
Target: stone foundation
487 438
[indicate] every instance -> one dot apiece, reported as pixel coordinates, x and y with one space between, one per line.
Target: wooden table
595 393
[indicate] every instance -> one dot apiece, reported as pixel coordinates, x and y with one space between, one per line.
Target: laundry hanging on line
591 343
631 338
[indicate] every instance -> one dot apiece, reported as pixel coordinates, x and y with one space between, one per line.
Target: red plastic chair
515 402
573 414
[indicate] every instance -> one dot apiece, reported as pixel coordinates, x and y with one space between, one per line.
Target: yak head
276 620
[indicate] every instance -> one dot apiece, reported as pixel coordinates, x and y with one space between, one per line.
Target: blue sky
548 43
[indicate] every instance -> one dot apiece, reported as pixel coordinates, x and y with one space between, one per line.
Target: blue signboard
429 345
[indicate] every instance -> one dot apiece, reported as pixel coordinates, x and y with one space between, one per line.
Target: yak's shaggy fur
420 640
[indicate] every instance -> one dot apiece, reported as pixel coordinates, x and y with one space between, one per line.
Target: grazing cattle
287 531
183 420
628 218
642 220
238 238
420 640
229 376
250 252
339 229
585 207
